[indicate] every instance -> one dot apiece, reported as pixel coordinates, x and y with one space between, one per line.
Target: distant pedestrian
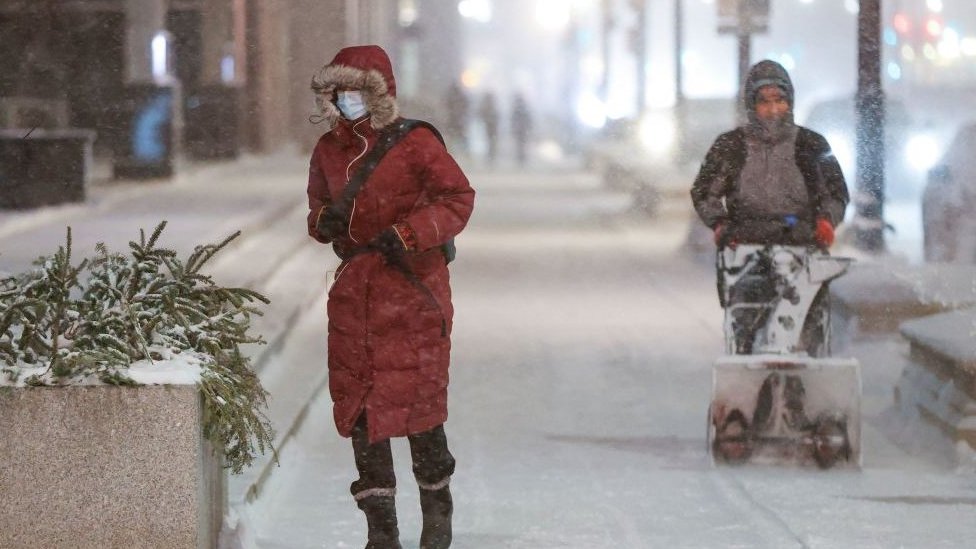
389 307
521 127
488 112
457 116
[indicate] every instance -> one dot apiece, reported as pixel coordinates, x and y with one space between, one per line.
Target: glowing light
934 5
929 52
479 10
408 13
949 47
890 36
853 6
806 1
922 152
894 70
968 46
160 51
902 23
591 111
470 78
907 53
843 150
933 27
552 14
657 132
227 68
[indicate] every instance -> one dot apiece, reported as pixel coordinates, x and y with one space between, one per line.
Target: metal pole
869 220
745 55
679 45
642 55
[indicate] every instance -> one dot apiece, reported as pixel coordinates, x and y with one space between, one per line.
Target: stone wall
107 467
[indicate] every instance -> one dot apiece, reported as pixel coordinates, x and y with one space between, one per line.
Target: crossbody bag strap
388 139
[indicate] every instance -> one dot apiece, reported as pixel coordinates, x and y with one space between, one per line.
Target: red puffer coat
388 348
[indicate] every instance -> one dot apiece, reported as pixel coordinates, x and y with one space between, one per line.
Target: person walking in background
488 112
457 116
389 307
521 128
771 181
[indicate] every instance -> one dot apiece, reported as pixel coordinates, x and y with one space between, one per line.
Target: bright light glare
968 46
550 150
470 78
949 46
843 151
479 10
894 70
552 14
853 6
657 133
934 5
408 13
591 111
806 1
922 152
227 68
159 46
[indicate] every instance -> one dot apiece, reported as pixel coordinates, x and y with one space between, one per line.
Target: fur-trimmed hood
365 68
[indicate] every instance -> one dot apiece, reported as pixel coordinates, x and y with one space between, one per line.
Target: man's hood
766 73
365 68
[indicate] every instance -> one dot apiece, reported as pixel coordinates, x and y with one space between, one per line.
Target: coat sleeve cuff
407 236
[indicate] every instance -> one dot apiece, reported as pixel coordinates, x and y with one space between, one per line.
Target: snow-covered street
582 351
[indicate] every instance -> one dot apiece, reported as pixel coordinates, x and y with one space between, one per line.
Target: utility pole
743 18
679 48
869 219
680 114
745 52
640 52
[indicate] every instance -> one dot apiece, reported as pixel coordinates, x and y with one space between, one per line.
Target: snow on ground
582 353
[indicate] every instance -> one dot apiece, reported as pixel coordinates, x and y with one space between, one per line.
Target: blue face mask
351 104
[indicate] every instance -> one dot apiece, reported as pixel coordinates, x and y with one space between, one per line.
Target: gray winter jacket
769 189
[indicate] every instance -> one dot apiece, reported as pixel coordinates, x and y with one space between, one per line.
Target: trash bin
143 127
43 167
211 131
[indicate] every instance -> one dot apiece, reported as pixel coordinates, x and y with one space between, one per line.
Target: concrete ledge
939 383
875 298
104 466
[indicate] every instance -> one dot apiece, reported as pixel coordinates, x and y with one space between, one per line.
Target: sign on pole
743 17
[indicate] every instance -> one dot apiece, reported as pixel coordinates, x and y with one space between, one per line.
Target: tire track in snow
769 526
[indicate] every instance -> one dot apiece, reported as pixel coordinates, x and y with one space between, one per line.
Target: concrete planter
107 467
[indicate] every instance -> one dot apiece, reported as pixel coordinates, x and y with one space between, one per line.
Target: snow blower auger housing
778 398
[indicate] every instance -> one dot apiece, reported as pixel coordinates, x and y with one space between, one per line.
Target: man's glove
720 237
824 234
389 243
330 223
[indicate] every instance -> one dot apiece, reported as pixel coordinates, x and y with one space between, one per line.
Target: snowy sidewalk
582 352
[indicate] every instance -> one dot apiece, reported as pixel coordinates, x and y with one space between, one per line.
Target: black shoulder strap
388 138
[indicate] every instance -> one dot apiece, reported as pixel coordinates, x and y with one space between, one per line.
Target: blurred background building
202 78
217 77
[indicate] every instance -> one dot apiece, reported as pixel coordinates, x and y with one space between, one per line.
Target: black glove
390 245
331 224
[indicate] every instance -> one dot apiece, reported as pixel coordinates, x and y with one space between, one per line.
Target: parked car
911 147
949 202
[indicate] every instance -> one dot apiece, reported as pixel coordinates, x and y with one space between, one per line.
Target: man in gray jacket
770 181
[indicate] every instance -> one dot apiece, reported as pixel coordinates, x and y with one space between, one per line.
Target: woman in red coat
390 306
